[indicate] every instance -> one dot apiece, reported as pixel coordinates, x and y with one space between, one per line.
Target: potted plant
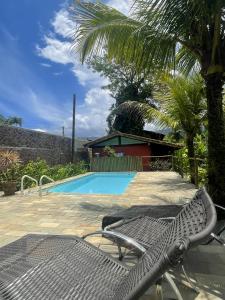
9 165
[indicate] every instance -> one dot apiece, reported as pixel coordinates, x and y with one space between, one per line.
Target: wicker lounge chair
145 229
60 267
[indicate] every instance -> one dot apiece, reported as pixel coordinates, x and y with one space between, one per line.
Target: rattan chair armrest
167 218
219 206
120 236
113 225
120 222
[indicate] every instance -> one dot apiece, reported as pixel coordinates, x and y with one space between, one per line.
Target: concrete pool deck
80 214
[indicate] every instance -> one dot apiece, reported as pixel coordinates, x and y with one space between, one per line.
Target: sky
39 73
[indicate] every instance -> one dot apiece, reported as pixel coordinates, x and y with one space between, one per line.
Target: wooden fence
116 164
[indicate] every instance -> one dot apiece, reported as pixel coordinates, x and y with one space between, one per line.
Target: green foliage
125 83
201 150
8 158
38 168
11 174
175 136
9 165
10 120
64 171
181 159
35 169
109 151
153 33
181 105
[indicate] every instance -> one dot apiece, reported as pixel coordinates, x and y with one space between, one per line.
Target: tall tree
125 83
10 121
195 27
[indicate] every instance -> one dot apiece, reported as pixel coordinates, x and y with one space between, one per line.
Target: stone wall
32 145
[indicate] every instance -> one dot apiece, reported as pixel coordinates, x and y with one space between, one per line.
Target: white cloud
91 116
39 130
45 65
62 23
122 5
59 51
56 50
87 77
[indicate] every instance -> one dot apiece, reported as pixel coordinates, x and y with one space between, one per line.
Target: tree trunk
191 155
216 138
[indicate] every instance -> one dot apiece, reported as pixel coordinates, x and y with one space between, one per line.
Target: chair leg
189 280
173 286
159 290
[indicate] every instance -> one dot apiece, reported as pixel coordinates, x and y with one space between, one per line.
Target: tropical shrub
181 160
38 168
9 165
7 159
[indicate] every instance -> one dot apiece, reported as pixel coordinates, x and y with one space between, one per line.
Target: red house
133 145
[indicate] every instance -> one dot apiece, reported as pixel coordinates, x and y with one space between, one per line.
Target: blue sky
39 73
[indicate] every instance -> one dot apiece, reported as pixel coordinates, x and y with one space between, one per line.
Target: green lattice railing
116 164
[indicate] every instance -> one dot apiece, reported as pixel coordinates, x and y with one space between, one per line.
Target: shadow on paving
105 209
162 200
167 184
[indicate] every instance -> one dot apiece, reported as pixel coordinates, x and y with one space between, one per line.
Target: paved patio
80 214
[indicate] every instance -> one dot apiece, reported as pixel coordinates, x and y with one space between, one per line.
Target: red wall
132 150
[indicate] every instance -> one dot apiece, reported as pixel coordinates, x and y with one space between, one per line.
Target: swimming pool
97 183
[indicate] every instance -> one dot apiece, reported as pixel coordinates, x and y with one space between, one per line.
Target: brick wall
33 144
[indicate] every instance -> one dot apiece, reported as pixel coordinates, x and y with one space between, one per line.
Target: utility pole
73 128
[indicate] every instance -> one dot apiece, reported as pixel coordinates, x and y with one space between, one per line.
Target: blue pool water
97 183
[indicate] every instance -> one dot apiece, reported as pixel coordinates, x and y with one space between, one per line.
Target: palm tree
10 121
182 107
193 28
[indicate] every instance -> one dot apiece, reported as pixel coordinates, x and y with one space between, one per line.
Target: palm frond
126 39
182 105
101 26
187 62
